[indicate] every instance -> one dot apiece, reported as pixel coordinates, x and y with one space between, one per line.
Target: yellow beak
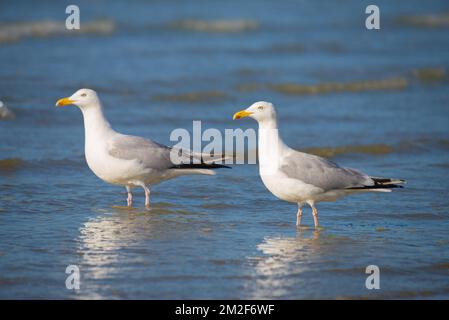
241 114
64 102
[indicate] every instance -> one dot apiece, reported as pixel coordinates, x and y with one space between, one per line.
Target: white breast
113 170
108 168
271 151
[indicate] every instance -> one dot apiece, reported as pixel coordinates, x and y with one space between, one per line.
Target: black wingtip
386 186
383 183
200 166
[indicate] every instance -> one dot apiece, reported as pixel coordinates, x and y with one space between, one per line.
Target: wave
404 146
354 86
416 216
425 75
9 165
426 21
401 294
13 32
218 26
329 87
430 75
191 97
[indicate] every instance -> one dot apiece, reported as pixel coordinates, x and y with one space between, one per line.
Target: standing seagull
299 177
130 161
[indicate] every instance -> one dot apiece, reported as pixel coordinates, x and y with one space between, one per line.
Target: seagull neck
271 124
270 142
95 123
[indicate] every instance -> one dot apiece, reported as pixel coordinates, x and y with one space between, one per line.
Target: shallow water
163 65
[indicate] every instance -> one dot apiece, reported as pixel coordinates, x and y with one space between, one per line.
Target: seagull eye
260 107
83 94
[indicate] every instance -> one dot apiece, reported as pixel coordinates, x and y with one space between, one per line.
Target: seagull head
83 98
259 111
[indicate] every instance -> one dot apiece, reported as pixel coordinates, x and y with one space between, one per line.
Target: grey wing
322 173
149 153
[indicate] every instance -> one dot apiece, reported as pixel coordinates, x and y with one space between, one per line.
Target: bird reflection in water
119 234
284 261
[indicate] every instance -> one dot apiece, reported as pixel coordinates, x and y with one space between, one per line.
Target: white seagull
299 177
130 161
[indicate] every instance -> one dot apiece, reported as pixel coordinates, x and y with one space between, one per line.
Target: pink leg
147 197
314 212
315 216
129 200
299 215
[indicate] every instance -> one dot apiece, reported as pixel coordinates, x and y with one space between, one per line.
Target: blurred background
376 100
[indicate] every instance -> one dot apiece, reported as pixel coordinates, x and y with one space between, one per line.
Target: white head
83 98
260 111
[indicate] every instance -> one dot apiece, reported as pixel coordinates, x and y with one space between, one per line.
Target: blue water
225 236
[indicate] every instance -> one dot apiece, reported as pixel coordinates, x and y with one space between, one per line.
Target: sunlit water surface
373 100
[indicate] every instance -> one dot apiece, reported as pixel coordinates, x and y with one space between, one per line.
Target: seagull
131 161
299 177
5 113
